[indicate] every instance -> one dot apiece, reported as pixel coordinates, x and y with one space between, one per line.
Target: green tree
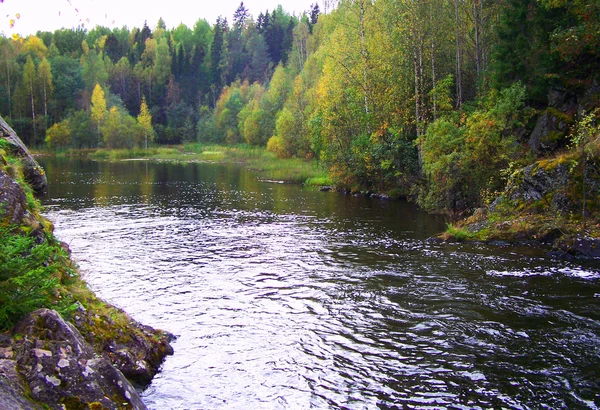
119 130
162 62
93 70
59 135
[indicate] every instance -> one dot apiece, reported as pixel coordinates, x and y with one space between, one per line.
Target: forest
435 100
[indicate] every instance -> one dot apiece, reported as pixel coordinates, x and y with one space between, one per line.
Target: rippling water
287 298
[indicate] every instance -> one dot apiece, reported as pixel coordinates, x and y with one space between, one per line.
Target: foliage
30 276
144 120
98 106
59 135
406 97
463 153
120 130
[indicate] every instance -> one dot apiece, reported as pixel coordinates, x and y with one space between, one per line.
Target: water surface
283 297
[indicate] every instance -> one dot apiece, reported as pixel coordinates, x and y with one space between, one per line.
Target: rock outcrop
62 370
50 363
33 172
136 350
13 205
12 389
544 181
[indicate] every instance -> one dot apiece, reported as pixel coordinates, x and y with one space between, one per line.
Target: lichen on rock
79 361
59 366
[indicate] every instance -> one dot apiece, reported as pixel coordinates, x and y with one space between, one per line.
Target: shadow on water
284 297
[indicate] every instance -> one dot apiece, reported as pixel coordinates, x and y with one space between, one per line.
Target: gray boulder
544 181
61 369
12 389
34 173
13 205
550 131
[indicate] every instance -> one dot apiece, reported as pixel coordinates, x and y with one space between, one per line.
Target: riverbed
284 297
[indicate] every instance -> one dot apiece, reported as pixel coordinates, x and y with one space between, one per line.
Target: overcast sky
49 15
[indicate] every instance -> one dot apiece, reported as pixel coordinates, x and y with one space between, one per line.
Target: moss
560 116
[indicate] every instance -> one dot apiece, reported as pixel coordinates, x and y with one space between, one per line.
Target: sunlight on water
287 298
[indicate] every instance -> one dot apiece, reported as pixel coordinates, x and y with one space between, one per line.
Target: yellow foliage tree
59 135
144 119
98 106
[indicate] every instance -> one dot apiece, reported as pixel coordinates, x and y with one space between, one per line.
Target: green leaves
29 276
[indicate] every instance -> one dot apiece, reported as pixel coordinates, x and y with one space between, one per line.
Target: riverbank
267 165
552 202
59 344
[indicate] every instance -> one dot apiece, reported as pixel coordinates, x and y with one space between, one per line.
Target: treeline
434 99
50 77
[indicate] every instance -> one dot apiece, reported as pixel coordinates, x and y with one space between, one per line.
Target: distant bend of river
283 297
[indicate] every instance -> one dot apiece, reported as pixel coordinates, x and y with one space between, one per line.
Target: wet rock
61 369
136 350
13 204
139 358
33 172
581 246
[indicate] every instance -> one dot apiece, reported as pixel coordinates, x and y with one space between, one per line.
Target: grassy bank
36 270
266 164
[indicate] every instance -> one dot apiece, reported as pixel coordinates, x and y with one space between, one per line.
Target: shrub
29 276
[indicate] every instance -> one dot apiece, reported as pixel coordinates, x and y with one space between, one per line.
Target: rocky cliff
89 356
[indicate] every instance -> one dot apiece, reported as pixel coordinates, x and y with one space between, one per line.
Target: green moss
560 116
318 181
457 233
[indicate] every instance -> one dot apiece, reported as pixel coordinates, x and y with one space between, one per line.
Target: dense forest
438 100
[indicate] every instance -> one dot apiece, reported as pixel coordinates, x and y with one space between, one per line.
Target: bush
59 135
29 276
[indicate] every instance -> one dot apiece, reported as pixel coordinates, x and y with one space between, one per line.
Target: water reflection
288 298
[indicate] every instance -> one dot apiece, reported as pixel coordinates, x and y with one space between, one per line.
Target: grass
136 153
267 165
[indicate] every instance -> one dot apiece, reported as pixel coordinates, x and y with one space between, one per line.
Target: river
284 297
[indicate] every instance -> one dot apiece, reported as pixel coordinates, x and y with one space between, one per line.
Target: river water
283 297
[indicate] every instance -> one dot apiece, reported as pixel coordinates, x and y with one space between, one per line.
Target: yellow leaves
35 45
12 21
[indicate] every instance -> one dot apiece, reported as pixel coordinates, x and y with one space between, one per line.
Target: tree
59 135
9 66
35 46
45 77
93 70
29 82
586 140
144 119
162 62
119 130
98 106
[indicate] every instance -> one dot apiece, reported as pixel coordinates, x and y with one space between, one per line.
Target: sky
49 15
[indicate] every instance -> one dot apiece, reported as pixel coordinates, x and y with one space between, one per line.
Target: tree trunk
32 108
477 41
434 101
365 58
8 87
459 88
